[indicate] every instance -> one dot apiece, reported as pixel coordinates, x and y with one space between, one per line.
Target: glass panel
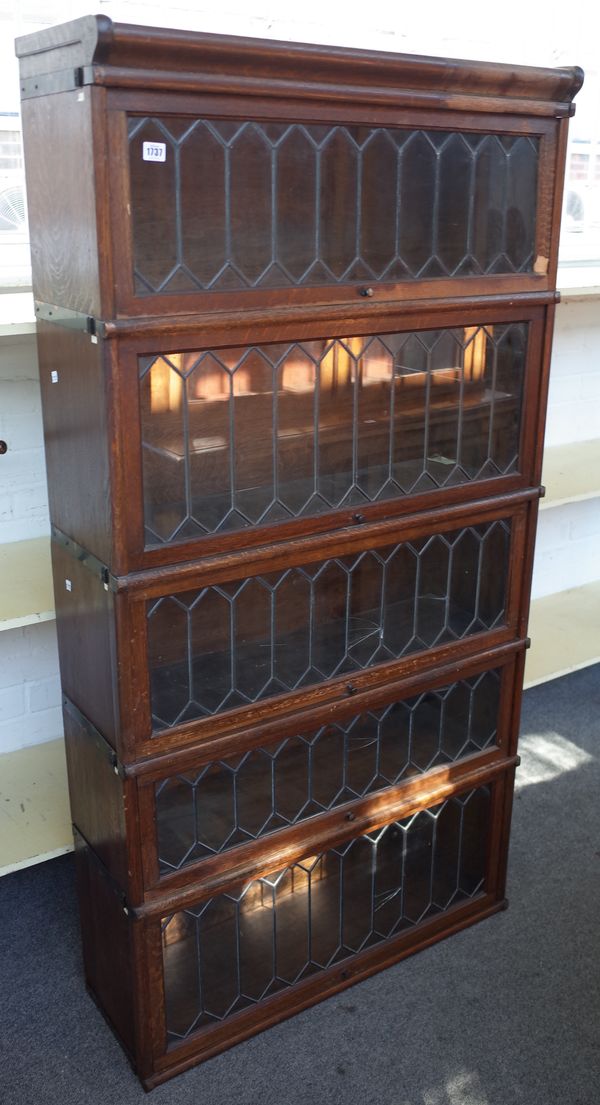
230 645
236 437
245 204
244 797
234 950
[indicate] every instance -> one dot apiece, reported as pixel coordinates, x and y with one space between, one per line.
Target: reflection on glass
241 798
235 643
252 435
227 953
242 204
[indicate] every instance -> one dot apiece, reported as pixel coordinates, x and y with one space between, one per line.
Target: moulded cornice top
128 56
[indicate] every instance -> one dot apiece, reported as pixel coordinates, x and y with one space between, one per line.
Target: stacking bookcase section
244 173
282 229
295 311
216 645
241 951
221 445
207 808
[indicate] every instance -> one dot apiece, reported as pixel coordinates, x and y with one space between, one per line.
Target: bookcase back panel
241 798
240 948
251 435
236 204
235 643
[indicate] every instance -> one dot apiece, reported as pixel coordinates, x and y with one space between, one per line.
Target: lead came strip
216 648
241 798
312 205
247 436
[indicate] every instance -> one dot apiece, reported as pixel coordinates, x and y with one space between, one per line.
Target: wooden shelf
27 596
565 633
571 473
35 822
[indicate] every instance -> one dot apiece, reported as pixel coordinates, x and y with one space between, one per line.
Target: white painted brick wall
568 540
29 687
23 494
567 551
574 396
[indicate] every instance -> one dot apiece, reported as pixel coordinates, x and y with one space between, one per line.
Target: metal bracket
87 559
70 320
95 735
64 80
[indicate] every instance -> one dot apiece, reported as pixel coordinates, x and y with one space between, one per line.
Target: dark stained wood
82 85
96 493
315 302
547 169
319 91
288 846
132 675
559 183
363 815
127 458
319 697
104 803
172 578
538 455
422 676
528 557
517 698
530 413
96 40
145 101
96 794
107 951
127 398
136 718
135 945
66 255
77 436
86 643
363 315
115 814
504 798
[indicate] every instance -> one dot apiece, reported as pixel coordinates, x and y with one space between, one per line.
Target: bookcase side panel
86 641
76 433
107 945
61 196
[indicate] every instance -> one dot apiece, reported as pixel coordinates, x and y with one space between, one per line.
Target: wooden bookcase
295 310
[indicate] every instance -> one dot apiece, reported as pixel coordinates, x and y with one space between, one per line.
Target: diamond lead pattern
239 799
245 204
237 949
234 438
236 643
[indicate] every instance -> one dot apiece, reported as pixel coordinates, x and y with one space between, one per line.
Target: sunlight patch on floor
463 1089
545 756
